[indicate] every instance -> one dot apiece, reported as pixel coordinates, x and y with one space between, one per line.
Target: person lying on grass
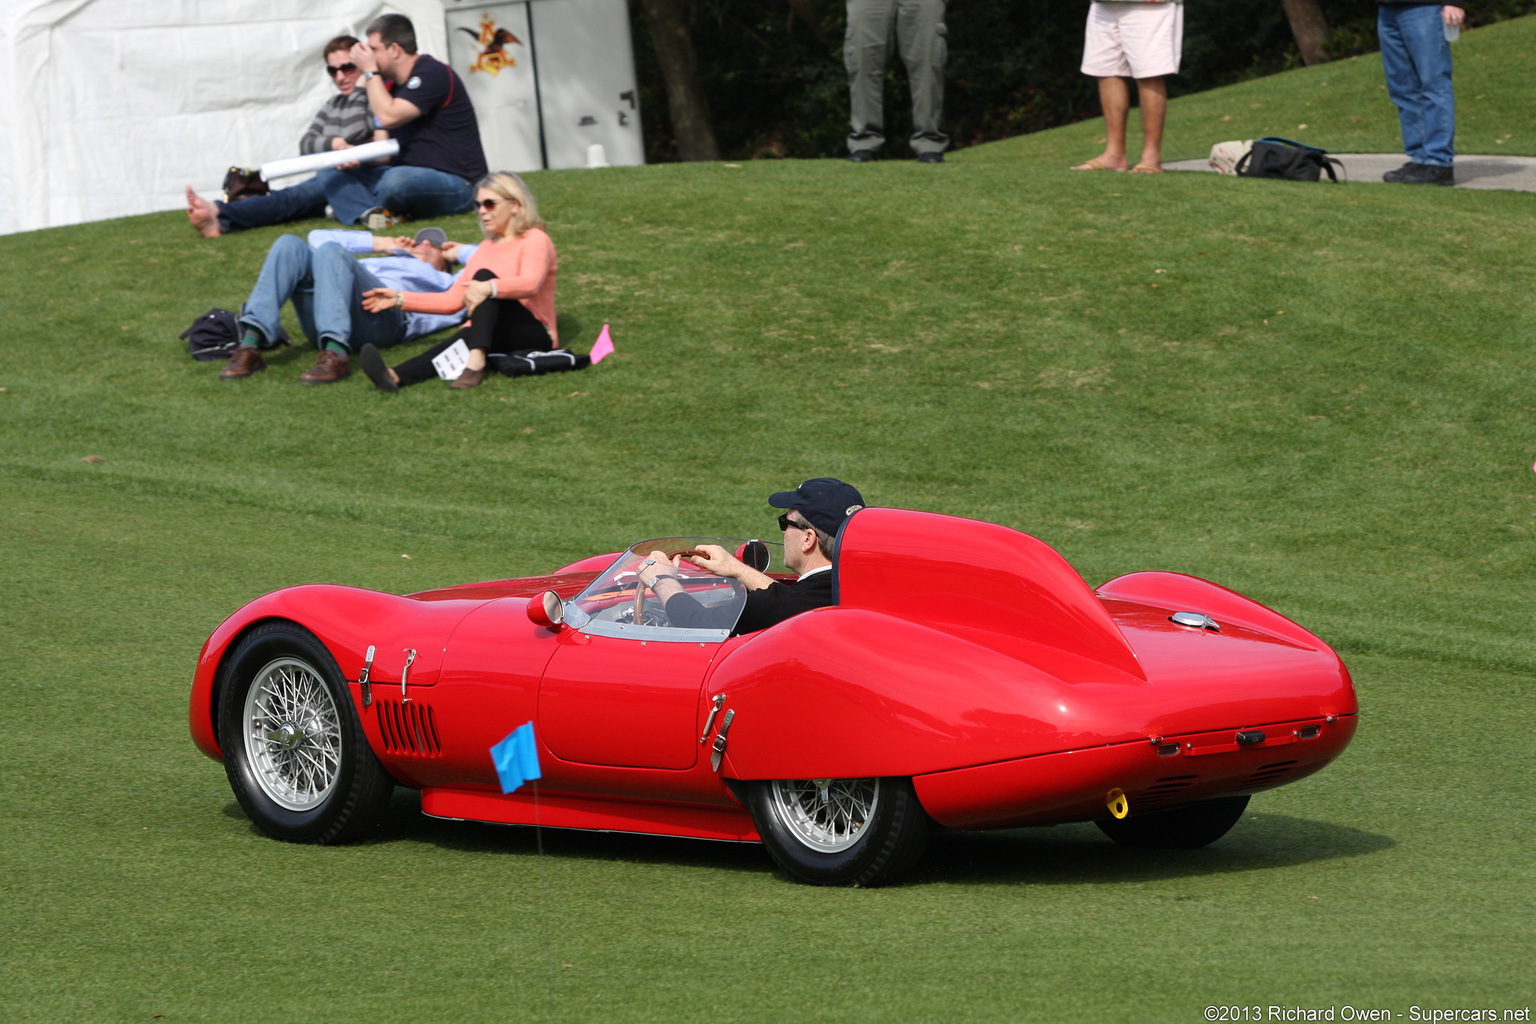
508 289
326 282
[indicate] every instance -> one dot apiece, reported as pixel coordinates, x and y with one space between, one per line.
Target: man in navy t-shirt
426 109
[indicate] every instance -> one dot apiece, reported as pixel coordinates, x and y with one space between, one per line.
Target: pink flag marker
604 347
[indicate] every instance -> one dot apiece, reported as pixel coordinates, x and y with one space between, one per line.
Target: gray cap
437 236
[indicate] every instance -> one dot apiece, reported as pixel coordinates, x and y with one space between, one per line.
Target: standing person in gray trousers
875 28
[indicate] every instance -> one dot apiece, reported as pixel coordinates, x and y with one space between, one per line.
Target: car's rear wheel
841 831
1179 828
294 748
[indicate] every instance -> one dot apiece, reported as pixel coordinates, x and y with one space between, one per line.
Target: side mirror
755 554
546 610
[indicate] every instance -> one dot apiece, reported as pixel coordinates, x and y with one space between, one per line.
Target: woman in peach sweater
508 288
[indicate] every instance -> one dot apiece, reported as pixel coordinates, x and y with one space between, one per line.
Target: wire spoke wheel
294 748
827 815
292 734
840 831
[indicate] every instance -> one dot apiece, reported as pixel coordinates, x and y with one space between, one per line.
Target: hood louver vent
409 728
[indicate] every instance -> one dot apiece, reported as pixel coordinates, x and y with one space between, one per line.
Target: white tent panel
115 105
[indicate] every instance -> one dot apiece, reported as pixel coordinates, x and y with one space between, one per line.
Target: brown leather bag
243 183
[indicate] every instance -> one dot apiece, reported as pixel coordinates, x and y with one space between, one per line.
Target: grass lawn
1320 396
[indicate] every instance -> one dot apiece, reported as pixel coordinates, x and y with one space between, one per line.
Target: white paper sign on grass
450 362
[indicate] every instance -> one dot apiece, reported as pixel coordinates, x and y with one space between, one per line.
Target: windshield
613 604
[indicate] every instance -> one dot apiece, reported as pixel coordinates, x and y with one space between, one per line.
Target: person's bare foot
204 218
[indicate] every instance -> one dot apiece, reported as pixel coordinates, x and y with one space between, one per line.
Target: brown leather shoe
329 368
245 361
469 379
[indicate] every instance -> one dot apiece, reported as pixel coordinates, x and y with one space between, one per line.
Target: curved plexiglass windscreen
615 604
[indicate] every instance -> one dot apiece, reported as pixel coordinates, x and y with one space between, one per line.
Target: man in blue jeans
1417 61
326 283
345 121
427 110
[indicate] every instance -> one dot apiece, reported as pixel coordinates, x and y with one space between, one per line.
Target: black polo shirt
446 137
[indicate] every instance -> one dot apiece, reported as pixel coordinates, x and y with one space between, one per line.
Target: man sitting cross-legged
326 284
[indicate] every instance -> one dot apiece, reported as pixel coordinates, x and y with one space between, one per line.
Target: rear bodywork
966 656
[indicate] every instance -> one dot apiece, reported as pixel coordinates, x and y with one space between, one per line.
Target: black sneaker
930 158
1396 176
1428 174
862 156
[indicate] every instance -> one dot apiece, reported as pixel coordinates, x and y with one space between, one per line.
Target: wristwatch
367 75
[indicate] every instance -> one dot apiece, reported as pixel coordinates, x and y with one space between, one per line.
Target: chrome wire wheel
292 734
825 815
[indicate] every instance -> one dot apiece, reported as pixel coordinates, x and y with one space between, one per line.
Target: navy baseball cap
822 501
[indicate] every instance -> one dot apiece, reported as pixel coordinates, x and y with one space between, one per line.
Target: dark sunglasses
341 69
489 204
786 523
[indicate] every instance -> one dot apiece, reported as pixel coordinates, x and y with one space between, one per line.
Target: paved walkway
1515 173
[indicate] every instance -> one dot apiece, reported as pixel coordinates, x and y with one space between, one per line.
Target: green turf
1316 395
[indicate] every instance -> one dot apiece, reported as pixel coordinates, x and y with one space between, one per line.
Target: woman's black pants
499 328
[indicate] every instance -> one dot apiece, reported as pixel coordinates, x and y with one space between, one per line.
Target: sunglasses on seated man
340 69
786 523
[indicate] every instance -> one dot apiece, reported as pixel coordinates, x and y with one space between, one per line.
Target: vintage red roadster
966 678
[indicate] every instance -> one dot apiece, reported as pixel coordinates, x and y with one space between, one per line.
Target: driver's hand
717 560
648 573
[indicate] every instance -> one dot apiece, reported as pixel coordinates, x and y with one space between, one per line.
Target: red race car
966 677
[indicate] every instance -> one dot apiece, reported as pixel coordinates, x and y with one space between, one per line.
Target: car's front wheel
1179 828
841 831
294 749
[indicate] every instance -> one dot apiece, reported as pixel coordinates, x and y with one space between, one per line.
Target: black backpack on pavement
1274 157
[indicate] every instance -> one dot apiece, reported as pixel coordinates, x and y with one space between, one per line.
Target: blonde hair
509 186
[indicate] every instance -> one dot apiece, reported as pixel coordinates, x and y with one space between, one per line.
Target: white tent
112 106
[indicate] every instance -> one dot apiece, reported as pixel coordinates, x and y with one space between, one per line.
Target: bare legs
204 218
1153 96
1115 98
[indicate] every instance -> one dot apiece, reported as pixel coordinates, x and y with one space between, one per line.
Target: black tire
1179 828
835 842
294 749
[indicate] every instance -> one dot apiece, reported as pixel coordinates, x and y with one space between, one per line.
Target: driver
817 509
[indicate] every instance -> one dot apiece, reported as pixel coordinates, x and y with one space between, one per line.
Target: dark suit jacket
767 607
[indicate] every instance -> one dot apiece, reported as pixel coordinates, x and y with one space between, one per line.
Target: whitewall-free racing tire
293 746
841 831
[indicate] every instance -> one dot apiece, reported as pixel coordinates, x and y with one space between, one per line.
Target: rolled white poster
291 165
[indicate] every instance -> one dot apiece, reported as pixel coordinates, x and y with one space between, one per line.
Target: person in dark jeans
342 123
1417 60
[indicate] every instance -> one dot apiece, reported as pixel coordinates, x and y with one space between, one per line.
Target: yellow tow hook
1118 805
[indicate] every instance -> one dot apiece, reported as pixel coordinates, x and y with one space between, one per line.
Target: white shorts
1133 40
